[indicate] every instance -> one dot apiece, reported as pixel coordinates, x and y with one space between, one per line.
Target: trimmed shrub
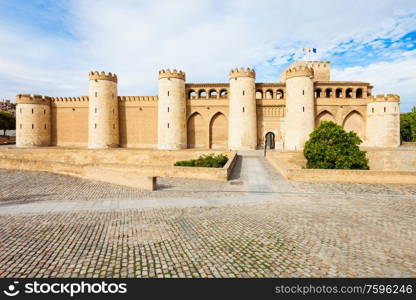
206 161
408 126
331 147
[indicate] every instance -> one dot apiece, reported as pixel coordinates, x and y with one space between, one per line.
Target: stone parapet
103 76
171 74
33 99
242 72
299 71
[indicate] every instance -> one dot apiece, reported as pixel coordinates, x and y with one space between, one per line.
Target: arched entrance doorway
269 140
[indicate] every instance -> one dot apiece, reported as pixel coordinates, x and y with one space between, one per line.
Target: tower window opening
168 108
114 126
32 110
44 111
303 92
168 125
244 93
384 109
20 126
168 93
243 108
20 110
95 110
96 94
372 110
95 125
303 108
45 126
33 126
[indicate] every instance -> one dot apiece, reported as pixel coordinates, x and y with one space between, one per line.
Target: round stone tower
299 120
383 121
33 121
103 120
242 127
171 126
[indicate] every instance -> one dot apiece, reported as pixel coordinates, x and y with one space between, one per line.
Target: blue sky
48 47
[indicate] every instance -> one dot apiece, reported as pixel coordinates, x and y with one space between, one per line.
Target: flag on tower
314 50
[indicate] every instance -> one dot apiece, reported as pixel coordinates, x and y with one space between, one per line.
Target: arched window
223 94
318 93
191 94
338 93
328 93
213 94
202 94
269 94
280 94
359 93
259 94
348 93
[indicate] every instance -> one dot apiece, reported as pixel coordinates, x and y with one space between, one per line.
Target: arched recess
195 131
324 116
354 122
218 132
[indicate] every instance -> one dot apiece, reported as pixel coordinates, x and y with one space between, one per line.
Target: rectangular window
243 108
32 110
45 126
20 126
384 109
33 126
96 94
96 110
114 126
20 110
168 109
303 108
168 125
244 93
303 92
95 125
372 110
168 93
44 111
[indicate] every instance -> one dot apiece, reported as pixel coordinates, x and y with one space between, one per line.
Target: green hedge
331 147
206 161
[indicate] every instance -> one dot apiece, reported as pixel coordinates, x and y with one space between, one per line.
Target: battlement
386 98
171 74
70 99
103 76
242 72
301 70
33 99
138 98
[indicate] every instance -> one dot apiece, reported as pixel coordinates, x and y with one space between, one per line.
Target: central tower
242 128
103 121
171 125
300 103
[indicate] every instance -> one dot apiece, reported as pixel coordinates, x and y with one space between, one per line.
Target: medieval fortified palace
235 115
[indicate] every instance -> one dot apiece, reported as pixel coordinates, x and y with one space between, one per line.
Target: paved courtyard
256 225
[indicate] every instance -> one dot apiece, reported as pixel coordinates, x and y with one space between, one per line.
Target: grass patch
205 161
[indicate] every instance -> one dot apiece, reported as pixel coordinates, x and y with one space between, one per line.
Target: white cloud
134 39
396 77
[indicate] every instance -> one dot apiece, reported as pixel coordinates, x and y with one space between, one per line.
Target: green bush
207 161
331 147
408 126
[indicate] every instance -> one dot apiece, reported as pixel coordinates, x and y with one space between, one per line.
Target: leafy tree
408 126
331 147
7 122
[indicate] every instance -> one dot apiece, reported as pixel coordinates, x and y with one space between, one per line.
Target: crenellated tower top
299 71
32 99
242 72
103 76
171 74
386 98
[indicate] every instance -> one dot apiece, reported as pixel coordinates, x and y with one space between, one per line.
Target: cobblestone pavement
289 228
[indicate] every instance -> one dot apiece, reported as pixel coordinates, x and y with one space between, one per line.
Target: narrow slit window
168 125
243 108
32 110
244 93
96 94
95 125
303 108
114 126
303 92
95 110
168 108
44 111
20 110
372 110
33 126
384 109
45 126
168 93
20 126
